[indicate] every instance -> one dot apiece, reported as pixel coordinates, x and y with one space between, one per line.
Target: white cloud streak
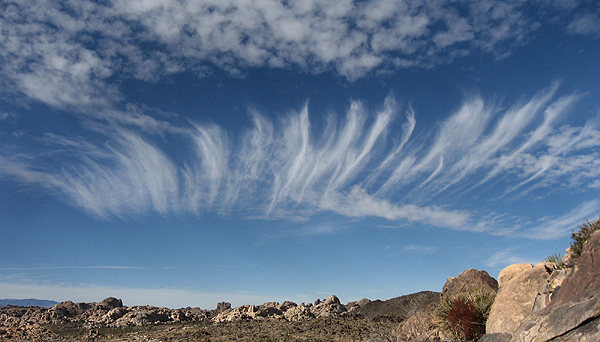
552 228
507 256
354 166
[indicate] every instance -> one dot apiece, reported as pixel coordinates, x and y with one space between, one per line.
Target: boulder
267 310
110 303
573 313
222 306
286 306
328 308
495 337
519 285
298 313
332 300
469 280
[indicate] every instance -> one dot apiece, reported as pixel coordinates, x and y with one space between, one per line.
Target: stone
110 303
552 285
330 307
573 313
469 280
298 313
222 306
495 337
332 300
286 305
519 285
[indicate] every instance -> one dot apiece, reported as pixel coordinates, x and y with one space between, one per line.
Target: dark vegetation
463 318
579 237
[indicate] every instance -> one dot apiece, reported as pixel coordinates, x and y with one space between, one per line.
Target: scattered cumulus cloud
587 23
65 54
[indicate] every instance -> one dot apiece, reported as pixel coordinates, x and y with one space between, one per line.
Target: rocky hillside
399 308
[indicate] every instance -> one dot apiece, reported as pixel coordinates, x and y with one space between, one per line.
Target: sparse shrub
580 236
557 260
419 327
463 318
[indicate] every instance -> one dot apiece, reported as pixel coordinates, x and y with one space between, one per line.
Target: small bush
583 234
463 318
557 260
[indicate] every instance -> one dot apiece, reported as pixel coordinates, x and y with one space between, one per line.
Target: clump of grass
463 318
557 260
579 237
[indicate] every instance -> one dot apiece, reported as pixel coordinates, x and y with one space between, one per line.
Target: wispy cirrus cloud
507 257
351 165
89 267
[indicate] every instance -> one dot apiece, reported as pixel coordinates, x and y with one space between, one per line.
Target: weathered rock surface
495 337
519 285
470 279
573 313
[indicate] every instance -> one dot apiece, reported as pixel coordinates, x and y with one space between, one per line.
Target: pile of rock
331 307
109 311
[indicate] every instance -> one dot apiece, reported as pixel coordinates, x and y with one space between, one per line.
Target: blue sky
182 153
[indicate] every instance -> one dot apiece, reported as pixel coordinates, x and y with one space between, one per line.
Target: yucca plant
583 234
463 318
557 260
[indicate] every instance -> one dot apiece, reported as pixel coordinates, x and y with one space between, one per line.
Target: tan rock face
509 272
469 280
519 285
573 313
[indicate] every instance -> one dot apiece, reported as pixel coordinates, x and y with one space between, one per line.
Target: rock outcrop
518 286
331 307
109 312
469 280
547 303
573 312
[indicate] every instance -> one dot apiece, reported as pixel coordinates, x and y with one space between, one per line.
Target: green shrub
463 318
580 236
557 260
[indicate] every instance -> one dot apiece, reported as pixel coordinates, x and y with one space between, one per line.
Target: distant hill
399 308
28 302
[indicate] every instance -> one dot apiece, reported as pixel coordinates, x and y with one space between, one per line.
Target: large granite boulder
110 303
299 313
519 285
330 307
469 280
573 313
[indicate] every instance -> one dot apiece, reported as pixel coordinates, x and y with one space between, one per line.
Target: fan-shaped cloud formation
364 164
